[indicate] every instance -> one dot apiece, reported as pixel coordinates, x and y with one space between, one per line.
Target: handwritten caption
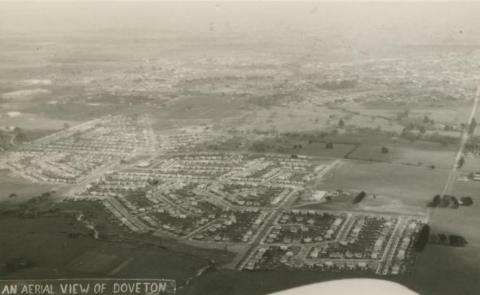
88 287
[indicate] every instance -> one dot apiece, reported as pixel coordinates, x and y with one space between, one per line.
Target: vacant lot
23 189
411 184
421 153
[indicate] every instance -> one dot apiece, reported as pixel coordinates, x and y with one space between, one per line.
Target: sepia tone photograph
239 147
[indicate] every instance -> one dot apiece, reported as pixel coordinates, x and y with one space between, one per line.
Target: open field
339 150
378 203
35 121
409 153
360 144
450 270
23 189
441 270
412 185
314 149
59 247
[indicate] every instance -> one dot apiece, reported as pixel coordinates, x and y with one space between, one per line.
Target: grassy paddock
412 185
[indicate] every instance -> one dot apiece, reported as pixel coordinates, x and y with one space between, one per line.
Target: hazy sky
360 23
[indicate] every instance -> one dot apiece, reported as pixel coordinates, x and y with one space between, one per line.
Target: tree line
450 201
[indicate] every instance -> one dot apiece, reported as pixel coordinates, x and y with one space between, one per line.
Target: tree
423 238
45 195
435 202
461 162
467 201
384 150
445 201
471 127
422 129
153 181
442 238
454 203
329 145
259 147
457 241
434 239
359 197
341 124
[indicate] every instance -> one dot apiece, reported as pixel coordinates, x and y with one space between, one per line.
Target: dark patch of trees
427 120
449 201
153 181
454 203
466 201
460 162
449 128
359 197
259 147
423 238
435 202
329 145
472 126
457 241
445 201
448 240
384 150
422 129
473 144
442 238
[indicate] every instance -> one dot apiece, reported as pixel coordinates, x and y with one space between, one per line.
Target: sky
361 24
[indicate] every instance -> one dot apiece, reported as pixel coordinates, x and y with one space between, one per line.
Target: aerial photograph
244 148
